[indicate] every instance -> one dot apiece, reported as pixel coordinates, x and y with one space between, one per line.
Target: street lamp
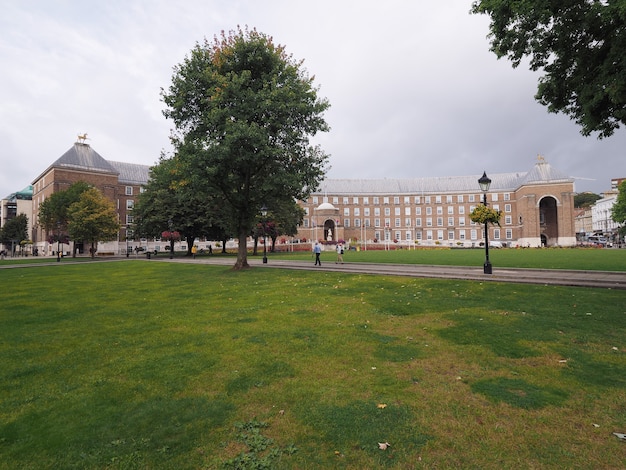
264 214
484 182
58 241
169 224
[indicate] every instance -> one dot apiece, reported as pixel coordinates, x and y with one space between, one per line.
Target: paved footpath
601 279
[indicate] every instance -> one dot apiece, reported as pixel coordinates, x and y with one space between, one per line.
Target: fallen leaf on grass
381 406
383 445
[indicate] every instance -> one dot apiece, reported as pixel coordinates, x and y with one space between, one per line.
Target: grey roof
81 157
542 173
131 173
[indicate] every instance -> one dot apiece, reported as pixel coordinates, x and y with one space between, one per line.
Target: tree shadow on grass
519 393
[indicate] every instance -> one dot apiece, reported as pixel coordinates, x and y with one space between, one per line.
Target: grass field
135 365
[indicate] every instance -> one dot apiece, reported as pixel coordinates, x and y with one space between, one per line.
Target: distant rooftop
541 173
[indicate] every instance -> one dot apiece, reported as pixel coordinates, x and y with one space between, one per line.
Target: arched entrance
330 230
548 220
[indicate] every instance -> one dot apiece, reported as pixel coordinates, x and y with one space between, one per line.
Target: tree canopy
92 218
53 214
585 200
618 211
578 44
244 112
14 230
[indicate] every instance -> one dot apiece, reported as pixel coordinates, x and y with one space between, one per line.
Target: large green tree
14 231
93 218
578 44
585 200
168 196
244 112
53 212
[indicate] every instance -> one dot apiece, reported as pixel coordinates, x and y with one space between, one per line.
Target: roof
131 173
82 157
541 173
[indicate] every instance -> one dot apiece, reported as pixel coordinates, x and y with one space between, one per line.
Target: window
397 222
471 198
496 234
407 200
437 199
459 198
418 222
366 200
450 221
408 236
508 234
474 234
507 208
449 199
305 223
429 211
129 218
357 211
462 221
508 220
387 211
429 234
376 201
357 222
346 223
418 235
417 200
461 210
494 196
439 234
377 211
335 200
346 211
366 211
407 222
496 207
396 199
129 190
450 210
407 211
387 222
439 210
345 200
418 211
315 200
396 211
367 222
439 221
386 200
397 236
429 221
130 204
450 234
507 196
306 211
427 199
377 223
355 200
461 234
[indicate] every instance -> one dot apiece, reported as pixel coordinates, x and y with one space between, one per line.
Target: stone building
537 206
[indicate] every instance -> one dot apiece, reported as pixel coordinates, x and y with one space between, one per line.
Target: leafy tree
93 218
618 211
53 212
14 230
168 196
585 200
244 112
578 44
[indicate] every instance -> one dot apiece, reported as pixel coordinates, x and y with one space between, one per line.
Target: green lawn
137 365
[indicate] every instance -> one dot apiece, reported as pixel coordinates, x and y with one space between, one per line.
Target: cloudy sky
413 87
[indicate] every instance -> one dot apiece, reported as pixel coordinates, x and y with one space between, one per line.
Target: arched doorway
548 220
330 230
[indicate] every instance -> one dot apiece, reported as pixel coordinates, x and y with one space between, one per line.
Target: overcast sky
413 88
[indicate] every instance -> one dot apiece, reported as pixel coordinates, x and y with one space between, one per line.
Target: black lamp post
169 224
484 182
264 214
58 241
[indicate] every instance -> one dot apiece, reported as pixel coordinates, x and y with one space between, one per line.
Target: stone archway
548 220
330 230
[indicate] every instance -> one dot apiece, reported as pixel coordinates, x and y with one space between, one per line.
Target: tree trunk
242 253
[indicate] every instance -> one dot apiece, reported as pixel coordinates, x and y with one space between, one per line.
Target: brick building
118 181
537 206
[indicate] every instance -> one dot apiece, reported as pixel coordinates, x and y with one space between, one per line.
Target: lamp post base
265 260
487 268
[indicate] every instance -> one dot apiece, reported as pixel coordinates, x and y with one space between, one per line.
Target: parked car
495 244
598 240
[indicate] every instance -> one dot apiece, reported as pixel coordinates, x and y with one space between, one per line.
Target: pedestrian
317 249
194 250
339 253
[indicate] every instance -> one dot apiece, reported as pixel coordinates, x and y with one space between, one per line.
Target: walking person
317 249
339 253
